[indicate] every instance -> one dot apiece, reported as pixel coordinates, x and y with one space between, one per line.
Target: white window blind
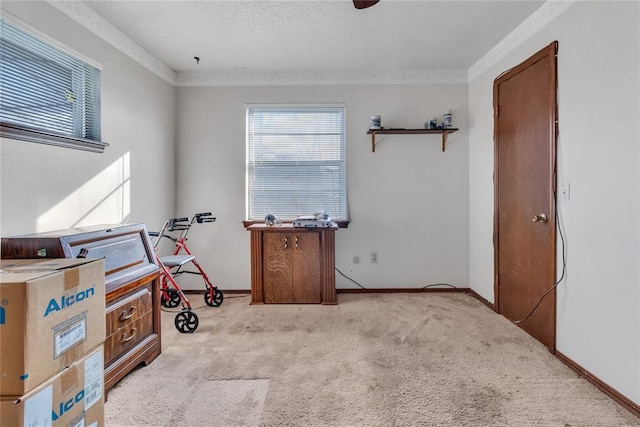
47 95
296 161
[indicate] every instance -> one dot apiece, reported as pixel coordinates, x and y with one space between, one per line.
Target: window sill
23 133
246 223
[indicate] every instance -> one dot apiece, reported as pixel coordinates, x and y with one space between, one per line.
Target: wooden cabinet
292 265
132 297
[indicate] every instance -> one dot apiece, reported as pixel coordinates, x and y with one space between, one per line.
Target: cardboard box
52 312
73 397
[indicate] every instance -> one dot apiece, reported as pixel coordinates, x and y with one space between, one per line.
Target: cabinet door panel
277 268
306 268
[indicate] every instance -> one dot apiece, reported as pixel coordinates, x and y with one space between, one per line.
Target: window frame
23 132
342 222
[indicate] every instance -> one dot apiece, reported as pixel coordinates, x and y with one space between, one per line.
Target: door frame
550 50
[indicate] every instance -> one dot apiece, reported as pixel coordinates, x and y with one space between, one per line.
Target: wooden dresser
131 282
292 265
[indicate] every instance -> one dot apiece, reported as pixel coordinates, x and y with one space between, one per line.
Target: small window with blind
48 95
296 161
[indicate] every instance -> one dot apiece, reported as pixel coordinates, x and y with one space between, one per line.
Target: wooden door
306 268
524 180
277 268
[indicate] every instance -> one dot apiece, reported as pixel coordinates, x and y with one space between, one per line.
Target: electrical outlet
374 257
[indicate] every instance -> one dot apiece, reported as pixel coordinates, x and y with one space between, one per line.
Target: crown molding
455 76
88 18
545 14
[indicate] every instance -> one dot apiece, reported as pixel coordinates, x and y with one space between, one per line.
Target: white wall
47 188
408 200
598 306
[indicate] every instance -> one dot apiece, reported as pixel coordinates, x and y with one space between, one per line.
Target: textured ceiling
272 36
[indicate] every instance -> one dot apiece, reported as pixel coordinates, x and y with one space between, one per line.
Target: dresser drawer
127 337
128 309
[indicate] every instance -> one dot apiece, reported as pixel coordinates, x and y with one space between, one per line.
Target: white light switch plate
565 192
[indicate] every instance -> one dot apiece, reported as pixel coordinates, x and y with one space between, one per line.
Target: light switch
565 192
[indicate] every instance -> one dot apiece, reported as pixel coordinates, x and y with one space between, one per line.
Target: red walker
172 266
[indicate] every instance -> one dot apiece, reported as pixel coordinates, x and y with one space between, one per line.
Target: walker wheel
217 297
186 322
169 298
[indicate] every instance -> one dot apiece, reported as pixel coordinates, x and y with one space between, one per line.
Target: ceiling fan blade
363 4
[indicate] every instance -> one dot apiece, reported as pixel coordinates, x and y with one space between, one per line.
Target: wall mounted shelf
402 131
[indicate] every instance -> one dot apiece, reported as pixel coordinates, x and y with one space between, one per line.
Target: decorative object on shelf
444 132
272 221
319 219
447 119
375 122
432 123
321 215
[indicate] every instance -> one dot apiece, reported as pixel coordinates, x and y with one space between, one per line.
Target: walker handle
182 219
204 217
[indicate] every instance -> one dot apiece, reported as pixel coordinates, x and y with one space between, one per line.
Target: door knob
540 218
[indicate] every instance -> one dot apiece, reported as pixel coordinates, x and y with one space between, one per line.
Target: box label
69 333
93 379
38 409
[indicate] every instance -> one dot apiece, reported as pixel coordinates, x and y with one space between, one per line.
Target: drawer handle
128 315
126 338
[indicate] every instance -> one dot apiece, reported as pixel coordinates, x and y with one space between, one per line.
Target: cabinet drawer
127 337
128 309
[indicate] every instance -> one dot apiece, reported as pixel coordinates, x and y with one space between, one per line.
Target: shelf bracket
445 133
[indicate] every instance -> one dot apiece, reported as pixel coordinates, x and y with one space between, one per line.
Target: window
47 95
296 161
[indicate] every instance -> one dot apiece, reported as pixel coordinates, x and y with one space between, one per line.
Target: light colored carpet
424 359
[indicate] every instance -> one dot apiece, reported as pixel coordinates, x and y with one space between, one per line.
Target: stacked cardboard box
52 331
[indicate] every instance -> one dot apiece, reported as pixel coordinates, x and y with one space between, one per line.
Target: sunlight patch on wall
104 199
